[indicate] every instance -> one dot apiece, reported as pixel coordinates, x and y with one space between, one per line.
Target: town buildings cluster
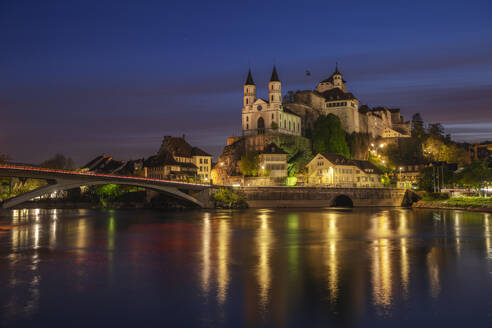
264 123
175 160
267 120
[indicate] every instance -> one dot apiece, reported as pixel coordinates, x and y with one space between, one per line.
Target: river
247 268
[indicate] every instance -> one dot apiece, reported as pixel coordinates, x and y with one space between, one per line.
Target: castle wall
348 117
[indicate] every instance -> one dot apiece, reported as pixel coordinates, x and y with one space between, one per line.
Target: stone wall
321 197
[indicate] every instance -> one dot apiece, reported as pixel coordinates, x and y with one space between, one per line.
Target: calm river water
250 268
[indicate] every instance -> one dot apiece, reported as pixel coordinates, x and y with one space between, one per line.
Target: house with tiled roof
178 160
337 171
273 161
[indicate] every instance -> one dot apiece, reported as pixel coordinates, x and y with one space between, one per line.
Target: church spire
249 79
274 77
336 69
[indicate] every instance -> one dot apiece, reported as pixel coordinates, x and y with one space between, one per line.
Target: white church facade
260 116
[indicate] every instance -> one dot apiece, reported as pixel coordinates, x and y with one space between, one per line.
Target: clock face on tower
259 107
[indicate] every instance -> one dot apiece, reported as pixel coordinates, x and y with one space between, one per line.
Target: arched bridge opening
342 201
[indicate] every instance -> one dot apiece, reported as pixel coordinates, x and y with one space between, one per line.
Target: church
297 115
260 116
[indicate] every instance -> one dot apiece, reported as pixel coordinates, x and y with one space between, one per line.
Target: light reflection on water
256 267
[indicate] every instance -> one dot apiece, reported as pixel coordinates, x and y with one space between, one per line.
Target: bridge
64 180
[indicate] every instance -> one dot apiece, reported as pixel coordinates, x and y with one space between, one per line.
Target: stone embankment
445 206
323 196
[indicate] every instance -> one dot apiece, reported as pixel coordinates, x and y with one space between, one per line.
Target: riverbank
473 204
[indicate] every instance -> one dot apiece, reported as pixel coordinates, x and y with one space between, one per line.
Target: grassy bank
467 203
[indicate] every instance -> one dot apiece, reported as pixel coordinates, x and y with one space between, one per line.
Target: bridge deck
51 174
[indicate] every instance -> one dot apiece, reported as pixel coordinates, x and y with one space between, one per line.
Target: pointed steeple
274 77
249 79
336 70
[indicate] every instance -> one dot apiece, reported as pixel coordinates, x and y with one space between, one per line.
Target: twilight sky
87 77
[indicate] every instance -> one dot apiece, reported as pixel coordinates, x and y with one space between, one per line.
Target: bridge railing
90 174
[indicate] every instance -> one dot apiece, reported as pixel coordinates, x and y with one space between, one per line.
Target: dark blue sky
86 77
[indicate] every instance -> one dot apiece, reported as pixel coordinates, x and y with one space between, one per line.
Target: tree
249 164
418 130
431 177
359 145
289 97
436 131
59 162
405 151
328 136
476 175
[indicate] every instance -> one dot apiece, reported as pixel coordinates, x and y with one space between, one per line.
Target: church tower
275 89
338 81
249 91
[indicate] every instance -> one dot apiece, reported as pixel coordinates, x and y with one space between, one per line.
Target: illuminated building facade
337 171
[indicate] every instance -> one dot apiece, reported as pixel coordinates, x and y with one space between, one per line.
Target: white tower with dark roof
249 91
275 89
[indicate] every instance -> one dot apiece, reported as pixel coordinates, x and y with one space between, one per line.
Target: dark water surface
279 268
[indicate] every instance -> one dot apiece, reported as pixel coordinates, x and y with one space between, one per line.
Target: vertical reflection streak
206 253
263 241
488 250
332 258
405 267
433 268
223 258
381 272
53 225
457 231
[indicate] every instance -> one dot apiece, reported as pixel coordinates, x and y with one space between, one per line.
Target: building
164 166
408 175
331 97
260 116
178 160
273 161
337 171
108 165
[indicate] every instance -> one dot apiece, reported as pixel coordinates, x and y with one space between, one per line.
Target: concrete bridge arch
200 200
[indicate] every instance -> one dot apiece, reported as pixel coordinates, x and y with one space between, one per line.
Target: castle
297 117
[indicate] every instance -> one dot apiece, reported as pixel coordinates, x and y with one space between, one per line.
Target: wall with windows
324 173
204 167
275 165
